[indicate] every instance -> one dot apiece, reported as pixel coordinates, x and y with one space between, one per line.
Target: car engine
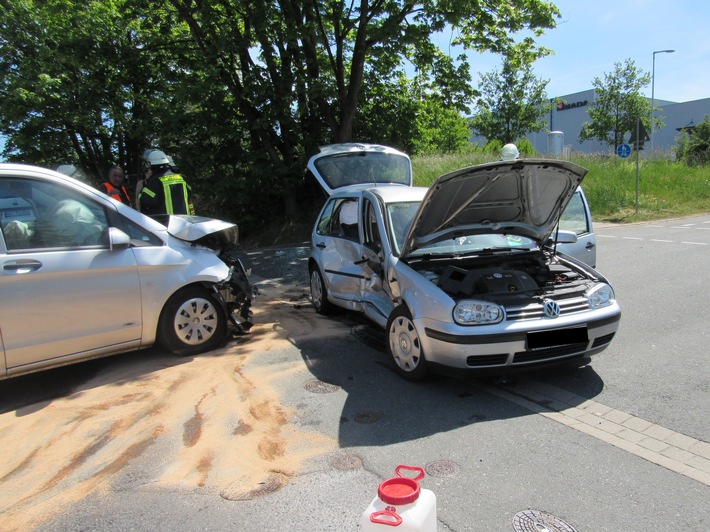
513 279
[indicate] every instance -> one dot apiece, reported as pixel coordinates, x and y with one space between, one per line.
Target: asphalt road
622 444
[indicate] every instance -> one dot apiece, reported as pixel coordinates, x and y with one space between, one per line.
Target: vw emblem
551 308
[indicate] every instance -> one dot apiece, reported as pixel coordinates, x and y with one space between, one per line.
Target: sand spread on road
202 423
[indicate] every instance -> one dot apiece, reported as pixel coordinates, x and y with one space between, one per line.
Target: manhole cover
441 468
367 417
316 386
345 461
536 521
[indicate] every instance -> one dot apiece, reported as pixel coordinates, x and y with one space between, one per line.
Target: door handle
22 266
320 245
589 245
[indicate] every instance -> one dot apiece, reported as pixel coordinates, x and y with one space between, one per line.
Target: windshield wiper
494 250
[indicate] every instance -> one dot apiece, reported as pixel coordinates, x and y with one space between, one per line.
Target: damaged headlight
477 313
600 296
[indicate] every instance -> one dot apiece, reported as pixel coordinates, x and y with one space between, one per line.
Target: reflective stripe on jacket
175 196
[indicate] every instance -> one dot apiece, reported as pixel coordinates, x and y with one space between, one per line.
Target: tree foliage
513 101
619 105
693 146
240 92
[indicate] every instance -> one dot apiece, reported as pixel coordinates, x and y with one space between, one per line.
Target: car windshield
400 217
363 167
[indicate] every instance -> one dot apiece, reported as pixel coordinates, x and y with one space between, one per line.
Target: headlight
600 296
477 313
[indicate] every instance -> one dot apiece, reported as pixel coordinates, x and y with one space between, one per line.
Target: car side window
35 214
575 218
339 219
325 222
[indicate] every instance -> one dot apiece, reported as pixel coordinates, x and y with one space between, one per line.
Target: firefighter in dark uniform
164 192
115 187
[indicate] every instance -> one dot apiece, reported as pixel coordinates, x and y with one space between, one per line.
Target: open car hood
341 165
208 232
523 197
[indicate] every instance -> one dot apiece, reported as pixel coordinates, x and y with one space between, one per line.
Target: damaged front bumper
237 293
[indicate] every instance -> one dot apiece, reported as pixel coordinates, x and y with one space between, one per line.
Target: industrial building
566 123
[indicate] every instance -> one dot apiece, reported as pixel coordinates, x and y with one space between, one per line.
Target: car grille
487 360
534 311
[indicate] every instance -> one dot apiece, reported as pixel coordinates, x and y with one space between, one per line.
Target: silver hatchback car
84 276
465 276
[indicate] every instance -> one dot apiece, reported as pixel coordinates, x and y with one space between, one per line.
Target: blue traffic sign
623 151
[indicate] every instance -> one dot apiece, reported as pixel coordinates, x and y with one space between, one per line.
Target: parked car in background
84 276
466 276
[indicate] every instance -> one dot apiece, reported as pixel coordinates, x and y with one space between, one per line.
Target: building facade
565 124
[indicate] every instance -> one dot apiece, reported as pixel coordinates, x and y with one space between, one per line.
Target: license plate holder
557 337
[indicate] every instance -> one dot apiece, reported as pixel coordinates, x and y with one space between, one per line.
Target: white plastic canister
401 505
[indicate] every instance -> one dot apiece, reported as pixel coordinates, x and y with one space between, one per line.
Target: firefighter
115 187
164 192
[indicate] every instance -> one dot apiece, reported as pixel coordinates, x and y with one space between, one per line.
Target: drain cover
345 461
316 386
442 468
536 521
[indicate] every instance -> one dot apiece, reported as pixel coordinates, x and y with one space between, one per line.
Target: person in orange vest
115 187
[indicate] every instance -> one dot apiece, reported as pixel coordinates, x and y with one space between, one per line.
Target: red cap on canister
399 490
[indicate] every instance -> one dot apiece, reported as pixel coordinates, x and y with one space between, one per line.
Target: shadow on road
381 408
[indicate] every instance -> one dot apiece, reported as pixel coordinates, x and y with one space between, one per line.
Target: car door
64 292
336 247
577 217
375 290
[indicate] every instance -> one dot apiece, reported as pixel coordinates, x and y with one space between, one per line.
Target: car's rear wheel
192 322
404 346
319 293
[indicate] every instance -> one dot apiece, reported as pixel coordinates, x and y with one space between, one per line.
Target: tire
319 293
192 322
404 346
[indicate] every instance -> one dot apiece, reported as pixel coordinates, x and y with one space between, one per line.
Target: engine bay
512 279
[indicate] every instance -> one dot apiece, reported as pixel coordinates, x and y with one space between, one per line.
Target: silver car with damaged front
465 276
84 276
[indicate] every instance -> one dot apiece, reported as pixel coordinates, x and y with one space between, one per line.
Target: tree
513 101
693 146
85 82
618 105
240 92
296 69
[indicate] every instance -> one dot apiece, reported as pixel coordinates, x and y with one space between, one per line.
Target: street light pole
653 79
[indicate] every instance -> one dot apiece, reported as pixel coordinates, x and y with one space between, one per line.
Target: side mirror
565 237
117 239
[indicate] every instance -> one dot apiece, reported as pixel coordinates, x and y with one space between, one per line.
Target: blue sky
592 36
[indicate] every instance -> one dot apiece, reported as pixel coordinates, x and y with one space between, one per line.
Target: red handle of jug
418 470
386 517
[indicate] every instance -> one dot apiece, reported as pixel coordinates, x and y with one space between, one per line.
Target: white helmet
156 158
509 152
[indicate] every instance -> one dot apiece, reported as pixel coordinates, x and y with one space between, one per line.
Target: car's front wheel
319 293
404 346
192 322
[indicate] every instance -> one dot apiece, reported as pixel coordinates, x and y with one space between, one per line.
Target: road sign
623 151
